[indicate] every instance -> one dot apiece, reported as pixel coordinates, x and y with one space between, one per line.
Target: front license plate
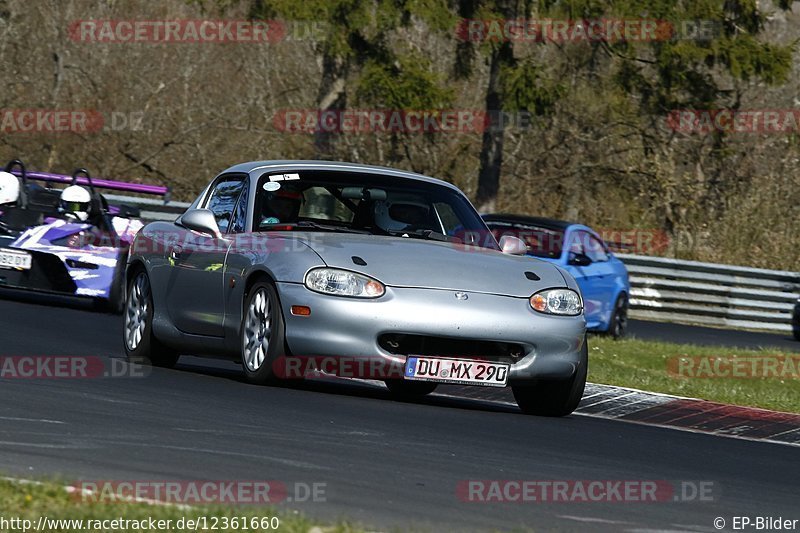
15 260
460 371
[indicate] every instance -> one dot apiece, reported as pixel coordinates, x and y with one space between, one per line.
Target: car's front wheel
554 397
262 335
141 345
618 326
796 322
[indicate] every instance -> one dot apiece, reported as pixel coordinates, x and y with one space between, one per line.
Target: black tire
796 322
258 361
148 350
408 390
554 397
618 325
117 295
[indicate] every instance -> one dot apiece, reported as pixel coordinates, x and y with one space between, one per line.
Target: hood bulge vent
357 260
531 276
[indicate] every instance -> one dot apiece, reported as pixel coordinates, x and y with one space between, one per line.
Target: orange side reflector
301 310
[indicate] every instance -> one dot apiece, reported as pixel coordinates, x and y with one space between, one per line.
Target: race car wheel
262 334
618 325
141 346
554 397
406 389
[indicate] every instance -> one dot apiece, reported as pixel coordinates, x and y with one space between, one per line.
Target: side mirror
513 245
200 220
580 260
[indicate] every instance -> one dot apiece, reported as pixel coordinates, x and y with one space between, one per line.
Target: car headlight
343 283
557 302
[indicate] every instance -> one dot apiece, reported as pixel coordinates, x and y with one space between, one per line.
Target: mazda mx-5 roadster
278 263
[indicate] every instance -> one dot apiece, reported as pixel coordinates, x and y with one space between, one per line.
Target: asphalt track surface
386 464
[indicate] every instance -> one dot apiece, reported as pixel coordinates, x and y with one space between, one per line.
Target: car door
196 288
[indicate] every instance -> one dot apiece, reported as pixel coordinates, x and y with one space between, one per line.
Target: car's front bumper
351 327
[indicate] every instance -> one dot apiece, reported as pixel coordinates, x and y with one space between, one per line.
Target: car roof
542 222
336 166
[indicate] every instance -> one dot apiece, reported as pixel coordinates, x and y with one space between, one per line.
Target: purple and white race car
44 249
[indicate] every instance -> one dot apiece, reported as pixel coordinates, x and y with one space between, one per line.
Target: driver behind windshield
281 206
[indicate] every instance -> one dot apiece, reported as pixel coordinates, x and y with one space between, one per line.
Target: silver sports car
306 267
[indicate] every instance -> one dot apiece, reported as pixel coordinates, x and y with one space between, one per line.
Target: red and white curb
663 410
652 409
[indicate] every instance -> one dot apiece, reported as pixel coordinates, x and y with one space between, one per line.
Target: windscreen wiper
329 227
428 234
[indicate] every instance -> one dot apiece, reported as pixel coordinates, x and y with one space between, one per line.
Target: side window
595 249
222 200
240 212
576 240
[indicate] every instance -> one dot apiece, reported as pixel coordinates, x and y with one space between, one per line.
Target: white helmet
9 188
75 201
396 216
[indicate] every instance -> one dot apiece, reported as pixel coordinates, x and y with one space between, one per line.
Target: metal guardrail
151 208
673 290
665 290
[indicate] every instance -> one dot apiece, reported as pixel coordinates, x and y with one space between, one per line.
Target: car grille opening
409 344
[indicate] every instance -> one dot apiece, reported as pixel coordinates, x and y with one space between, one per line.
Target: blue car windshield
367 203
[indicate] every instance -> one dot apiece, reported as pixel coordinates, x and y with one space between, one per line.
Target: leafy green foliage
408 83
526 89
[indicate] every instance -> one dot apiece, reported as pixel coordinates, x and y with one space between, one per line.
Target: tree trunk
491 158
331 96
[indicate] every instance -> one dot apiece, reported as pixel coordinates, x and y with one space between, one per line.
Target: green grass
644 365
30 501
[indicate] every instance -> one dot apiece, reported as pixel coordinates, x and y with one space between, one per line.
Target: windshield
366 203
541 242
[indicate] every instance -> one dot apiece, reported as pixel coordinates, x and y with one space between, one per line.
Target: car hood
410 262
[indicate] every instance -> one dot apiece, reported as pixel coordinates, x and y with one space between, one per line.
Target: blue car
602 278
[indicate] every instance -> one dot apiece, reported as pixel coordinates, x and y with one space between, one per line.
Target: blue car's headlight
343 283
557 302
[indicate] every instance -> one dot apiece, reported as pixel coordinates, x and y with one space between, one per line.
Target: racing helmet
283 205
75 201
396 216
9 188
